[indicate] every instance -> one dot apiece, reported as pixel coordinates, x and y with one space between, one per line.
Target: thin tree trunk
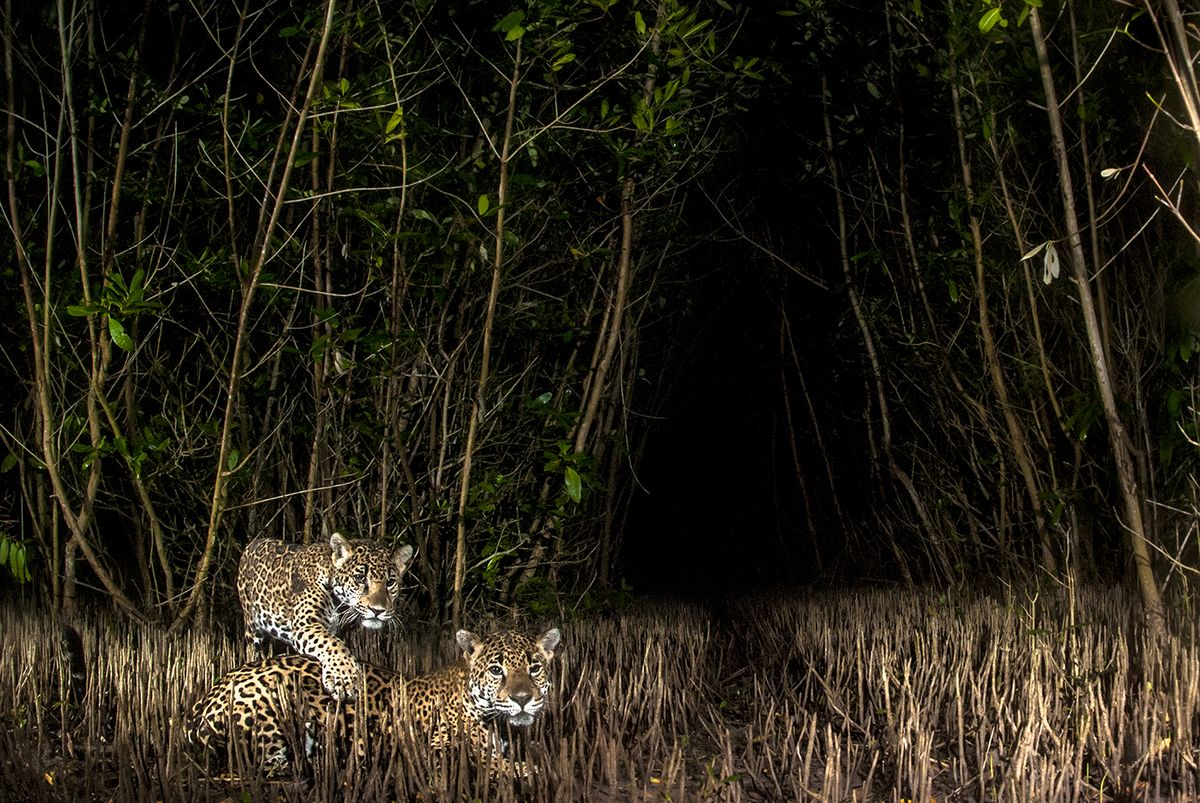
818 436
616 316
320 327
1039 341
793 443
1181 62
250 286
39 316
477 403
1118 436
1016 433
393 438
873 362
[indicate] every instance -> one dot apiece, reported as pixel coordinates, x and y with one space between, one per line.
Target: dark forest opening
706 516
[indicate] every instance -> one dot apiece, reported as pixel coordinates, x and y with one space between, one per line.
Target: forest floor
848 695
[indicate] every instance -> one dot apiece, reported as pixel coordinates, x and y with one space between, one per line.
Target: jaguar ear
402 557
468 641
548 641
340 549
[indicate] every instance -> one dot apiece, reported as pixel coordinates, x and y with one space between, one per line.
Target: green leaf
508 22
14 555
1174 402
989 19
514 33
483 204
16 563
76 311
232 461
574 485
639 22
396 119
136 291
117 332
10 460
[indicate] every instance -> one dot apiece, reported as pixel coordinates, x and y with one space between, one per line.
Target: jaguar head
507 673
366 579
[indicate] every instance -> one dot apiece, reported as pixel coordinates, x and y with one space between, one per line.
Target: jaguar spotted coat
305 595
504 678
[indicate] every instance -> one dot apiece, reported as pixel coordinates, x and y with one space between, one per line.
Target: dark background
739 441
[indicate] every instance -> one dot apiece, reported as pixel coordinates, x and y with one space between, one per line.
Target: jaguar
305 595
273 709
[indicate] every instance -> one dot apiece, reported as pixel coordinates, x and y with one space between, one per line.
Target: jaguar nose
374 618
521 696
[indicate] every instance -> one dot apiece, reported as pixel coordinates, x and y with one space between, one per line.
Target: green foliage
14 557
573 467
118 299
497 556
537 596
510 26
1181 418
995 14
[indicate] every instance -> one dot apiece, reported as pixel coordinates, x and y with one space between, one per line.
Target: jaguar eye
535 668
496 670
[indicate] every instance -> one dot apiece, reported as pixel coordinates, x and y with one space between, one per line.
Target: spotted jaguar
503 678
305 595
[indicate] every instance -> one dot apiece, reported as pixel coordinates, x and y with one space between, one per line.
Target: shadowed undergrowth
850 695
